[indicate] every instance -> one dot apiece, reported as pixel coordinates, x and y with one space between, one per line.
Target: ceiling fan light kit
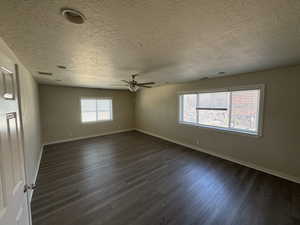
132 88
133 85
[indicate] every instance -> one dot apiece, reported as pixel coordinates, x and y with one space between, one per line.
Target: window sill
97 121
223 130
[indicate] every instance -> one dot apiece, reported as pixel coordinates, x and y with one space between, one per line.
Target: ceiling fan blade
147 83
144 86
126 81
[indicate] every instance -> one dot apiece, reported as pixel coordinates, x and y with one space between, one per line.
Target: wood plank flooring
135 179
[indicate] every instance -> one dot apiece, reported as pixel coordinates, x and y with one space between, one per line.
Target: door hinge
28 187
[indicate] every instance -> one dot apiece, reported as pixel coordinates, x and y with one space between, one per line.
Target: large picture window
234 109
93 109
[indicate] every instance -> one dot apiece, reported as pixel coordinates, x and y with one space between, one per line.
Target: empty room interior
149 112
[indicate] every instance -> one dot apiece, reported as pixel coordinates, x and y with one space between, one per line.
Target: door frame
19 100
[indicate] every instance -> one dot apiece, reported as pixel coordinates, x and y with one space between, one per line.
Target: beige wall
30 115
278 150
61 116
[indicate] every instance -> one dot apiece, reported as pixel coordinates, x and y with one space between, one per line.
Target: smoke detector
73 15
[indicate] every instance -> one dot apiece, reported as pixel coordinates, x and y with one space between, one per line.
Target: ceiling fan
133 85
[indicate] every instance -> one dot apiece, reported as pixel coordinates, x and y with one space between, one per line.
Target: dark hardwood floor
135 179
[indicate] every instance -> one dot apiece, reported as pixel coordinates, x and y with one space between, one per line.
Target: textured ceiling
163 40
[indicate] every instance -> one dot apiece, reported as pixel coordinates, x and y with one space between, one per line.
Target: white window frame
97 98
259 133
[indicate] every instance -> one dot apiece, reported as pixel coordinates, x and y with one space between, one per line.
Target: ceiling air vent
61 67
203 78
45 73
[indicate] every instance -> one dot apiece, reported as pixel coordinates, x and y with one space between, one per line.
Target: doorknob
29 187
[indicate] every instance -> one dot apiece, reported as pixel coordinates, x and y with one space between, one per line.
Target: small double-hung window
96 109
233 109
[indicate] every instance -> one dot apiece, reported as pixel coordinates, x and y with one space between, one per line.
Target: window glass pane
214 100
214 118
104 115
244 111
88 105
218 100
104 104
104 109
189 103
88 116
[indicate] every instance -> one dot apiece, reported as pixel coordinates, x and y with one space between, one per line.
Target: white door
14 208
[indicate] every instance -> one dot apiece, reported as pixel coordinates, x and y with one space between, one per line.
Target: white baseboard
37 171
90 136
247 164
